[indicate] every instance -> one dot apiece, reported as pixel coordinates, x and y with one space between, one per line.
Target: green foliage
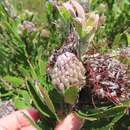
102 113
40 101
116 23
16 81
58 25
70 95
36 7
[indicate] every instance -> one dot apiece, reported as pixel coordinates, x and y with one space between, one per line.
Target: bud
26 26
45 33
69 71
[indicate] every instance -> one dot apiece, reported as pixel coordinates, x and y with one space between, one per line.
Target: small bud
45 33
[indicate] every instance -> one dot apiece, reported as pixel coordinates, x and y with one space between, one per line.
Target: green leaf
110 112
65 14
70 95
80 28
32 70
20 103
128 38
49 7
116 10
17 81
117 40
45 97
39 104
86 118
25 95
42 67
25 72
112 123
115 120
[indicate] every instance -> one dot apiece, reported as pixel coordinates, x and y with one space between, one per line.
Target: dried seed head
67 72
65 66
107 78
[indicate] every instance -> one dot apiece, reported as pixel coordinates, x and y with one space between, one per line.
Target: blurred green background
35 6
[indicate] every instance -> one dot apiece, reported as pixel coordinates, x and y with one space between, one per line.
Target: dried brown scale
107 78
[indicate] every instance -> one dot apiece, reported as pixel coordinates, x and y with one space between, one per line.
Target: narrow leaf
45 97
43 109
14 80
106 113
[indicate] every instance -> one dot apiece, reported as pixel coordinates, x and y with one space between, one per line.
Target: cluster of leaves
115 31
22 59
